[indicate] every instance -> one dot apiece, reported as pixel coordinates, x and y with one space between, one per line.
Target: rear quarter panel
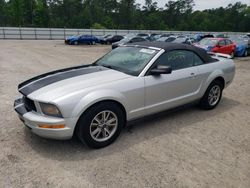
224 68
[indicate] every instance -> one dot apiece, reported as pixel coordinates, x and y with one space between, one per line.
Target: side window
228 42
197 60
120 37
222 43
179 59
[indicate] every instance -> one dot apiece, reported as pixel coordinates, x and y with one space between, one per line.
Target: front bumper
32 119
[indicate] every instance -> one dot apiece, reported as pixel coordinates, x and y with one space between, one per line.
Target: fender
98 96
215 74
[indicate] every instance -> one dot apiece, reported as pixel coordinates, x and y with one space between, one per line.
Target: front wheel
75 42
100 125
212 96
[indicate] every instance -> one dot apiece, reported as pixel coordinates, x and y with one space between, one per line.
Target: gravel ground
184 148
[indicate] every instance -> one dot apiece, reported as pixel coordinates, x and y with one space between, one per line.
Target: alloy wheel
103 126
214 95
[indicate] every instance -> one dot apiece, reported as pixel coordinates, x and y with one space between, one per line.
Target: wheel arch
220 79
96 97
121 106
216 75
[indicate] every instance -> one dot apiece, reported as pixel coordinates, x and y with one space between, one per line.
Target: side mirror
161 69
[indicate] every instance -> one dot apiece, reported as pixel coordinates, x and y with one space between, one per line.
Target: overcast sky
203 4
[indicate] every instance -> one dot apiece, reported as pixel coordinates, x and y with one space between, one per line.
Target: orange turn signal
51 126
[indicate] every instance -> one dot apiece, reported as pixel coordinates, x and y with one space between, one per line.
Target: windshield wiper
109 67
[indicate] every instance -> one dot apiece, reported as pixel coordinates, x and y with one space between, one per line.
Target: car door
171 90
230 46
83 39
223 48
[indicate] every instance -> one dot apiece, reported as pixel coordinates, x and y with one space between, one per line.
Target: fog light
51 126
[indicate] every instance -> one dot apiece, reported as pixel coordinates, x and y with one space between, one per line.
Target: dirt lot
186 148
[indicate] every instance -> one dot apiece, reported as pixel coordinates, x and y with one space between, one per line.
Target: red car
218 45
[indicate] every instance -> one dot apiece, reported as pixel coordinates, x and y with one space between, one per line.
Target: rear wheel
212 96
100 125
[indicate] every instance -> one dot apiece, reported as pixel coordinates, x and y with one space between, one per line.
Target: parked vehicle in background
167 35
95 101
155 37
221 35
184 40
199 37
128 41
242 46
81 39
102 38
167 39
111 39
144 35
218 45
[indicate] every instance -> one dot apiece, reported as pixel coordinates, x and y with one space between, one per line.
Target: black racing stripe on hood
50 73
56 76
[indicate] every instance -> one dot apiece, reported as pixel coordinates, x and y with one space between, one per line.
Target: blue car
81 39
242 46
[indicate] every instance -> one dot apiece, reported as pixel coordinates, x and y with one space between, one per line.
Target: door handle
192 75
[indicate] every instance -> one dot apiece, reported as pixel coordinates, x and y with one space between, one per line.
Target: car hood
65 82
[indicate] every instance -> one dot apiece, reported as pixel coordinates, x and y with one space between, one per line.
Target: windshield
208 42
129 60
162 39
170 39
125 40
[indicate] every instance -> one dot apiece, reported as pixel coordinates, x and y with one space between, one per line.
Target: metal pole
50 34
3 33
64 34
35 33
20 33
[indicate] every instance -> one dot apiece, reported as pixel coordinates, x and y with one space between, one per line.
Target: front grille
29 104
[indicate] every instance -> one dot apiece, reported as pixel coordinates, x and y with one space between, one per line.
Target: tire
93 42
92 130
207 102
75 42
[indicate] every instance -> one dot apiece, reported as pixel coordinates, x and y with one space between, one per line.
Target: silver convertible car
95 101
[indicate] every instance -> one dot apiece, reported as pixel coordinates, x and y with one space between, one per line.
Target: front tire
212 95
75 42
100 125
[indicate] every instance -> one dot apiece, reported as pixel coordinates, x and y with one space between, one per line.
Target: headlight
50 110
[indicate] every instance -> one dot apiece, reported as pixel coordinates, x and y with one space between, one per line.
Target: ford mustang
95 101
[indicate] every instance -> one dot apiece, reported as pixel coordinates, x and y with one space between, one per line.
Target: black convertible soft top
167 46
